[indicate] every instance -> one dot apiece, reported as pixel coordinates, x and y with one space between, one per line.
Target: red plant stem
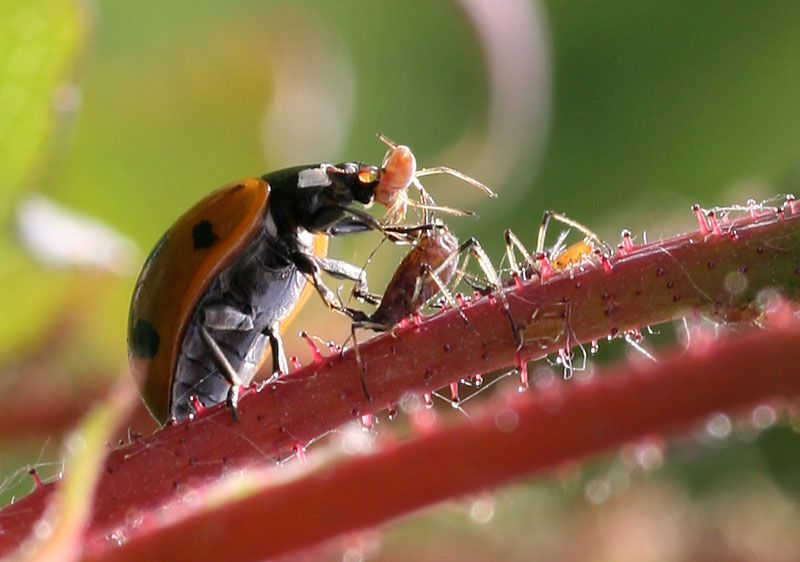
720 274
532 433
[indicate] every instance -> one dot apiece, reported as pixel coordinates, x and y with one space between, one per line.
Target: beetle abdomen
259 290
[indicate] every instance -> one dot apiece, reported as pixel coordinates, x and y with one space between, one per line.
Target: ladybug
218 286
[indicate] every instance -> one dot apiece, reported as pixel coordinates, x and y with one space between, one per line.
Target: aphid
399 172
217 289
423 273
559 258
426 271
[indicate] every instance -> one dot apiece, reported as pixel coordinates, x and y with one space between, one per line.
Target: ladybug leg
225 366
326 293
279 363
344 270
361 221
225 317
350 225
367 221
309 266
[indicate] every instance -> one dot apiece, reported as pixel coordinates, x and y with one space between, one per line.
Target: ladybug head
351 181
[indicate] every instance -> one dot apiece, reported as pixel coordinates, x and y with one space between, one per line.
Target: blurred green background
619 113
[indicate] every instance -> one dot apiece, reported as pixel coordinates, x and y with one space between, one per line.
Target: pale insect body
399 171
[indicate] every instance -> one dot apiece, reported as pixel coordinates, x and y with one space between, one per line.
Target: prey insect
426 271
545 263
400 172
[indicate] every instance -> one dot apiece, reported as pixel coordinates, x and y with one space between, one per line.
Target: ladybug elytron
219 285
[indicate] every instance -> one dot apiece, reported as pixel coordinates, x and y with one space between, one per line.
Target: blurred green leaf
38 45
781 449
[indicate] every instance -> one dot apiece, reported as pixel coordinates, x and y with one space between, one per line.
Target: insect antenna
445 170
446 210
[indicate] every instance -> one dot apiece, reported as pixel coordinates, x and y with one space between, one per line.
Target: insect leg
279 364
456 174
350 225
446 293
599 243
513 242
342 270
358 216
484 262
345 270
225 366
475 249
362 367
223 316
366 296
387 141
361 221
308 266
448 210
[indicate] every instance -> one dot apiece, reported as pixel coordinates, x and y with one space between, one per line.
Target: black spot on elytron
203 235
144 340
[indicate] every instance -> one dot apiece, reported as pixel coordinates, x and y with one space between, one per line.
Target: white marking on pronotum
314 177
